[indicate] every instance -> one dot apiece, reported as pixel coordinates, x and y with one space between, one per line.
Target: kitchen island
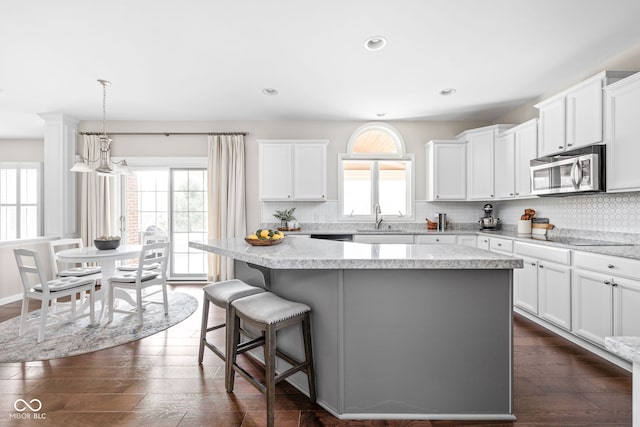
399 331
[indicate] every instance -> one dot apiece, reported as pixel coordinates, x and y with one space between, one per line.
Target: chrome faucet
378 216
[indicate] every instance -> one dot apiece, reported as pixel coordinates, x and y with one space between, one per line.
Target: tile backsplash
597 212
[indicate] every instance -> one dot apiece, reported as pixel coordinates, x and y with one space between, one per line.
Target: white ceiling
210 60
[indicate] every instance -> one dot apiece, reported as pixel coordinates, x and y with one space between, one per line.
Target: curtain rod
166 133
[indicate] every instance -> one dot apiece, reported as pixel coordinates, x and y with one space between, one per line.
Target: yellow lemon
252 237
277 236
264 234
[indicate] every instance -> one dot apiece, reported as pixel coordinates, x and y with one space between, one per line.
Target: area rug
80 337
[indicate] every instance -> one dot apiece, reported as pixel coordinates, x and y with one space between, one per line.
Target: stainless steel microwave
571 172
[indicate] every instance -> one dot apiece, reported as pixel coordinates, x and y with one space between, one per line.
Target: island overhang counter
400 331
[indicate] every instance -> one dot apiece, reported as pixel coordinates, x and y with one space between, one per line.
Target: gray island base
399 331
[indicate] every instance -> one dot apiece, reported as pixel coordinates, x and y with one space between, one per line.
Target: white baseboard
12 298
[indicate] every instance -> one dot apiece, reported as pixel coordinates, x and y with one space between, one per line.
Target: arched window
376 174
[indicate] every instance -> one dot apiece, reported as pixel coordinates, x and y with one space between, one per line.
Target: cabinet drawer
444 239
616 266
501 245
547 253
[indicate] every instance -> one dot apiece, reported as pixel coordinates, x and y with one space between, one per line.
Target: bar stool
221 294
269 313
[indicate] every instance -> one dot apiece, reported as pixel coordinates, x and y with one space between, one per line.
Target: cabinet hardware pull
517 194
499 244
490 195
614 284
610 266
437 240
569 145
606 282
560 147
511 194
541 266
533 263
437 197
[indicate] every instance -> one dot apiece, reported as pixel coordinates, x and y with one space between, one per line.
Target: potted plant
286 217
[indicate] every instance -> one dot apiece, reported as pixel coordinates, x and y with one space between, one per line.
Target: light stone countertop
625 347
295 253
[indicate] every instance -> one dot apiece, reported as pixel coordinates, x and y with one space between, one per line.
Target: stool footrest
247 376
250 345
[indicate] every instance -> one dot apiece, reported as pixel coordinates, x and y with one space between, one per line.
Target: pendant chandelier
106 166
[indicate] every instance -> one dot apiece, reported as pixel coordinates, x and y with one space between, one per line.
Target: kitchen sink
382 230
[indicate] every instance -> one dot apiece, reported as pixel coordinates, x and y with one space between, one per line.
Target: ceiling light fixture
104 167
269 91
448 91
375 43
381 114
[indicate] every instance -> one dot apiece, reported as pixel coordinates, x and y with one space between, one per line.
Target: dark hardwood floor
157 382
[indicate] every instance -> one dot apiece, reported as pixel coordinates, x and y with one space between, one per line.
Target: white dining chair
36 286
142 279
147 239
61 269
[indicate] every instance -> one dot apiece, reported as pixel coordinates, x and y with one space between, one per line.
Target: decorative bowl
265 242
104 245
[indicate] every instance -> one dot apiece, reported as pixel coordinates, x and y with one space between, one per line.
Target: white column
59 182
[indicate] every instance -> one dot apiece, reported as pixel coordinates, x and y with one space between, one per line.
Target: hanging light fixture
106 166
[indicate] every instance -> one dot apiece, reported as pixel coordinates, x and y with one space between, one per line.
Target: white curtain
226 189
96 198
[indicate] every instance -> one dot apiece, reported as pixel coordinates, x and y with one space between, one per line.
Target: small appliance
488 221
572 172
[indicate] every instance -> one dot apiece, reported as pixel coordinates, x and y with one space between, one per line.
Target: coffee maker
488 221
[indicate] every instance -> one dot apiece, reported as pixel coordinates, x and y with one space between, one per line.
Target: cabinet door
275 166
626 307
552 127
525 285
483 243
471 241
554 287
584 114
592 306
309 171
447 171
526 140
505 166
622 104
480 147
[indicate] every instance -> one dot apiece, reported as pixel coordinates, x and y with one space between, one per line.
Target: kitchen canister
524 226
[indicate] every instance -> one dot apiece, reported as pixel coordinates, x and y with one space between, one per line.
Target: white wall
415 135
21 150
10 284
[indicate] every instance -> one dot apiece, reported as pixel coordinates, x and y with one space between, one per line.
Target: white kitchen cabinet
622 130
483 242
525 285
448 239
480 160
497 244
467 240
574 118
292 170
592 305
446 170
626 307
526 149
554 300
505 182
383 238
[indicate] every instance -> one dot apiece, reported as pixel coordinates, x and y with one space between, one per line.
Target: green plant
285 215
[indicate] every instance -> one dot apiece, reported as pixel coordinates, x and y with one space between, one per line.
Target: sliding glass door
169 202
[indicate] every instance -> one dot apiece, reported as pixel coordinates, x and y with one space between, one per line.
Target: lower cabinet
383 238
525 285
626 307
592 303
467 240
554 287
483 243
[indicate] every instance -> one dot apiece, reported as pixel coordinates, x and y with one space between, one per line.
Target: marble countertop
624 250
625 347
295 253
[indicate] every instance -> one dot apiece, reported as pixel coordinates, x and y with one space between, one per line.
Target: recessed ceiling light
381 114
448 91
269 91
375 43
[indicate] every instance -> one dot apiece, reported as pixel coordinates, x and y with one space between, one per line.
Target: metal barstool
268 313
221 294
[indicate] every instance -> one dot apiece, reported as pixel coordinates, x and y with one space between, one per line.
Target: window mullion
375 194
18 204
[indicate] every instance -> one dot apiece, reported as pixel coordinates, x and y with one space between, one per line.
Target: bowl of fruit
265 237
104 243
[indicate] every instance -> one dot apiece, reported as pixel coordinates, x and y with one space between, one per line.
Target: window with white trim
376 171
20 200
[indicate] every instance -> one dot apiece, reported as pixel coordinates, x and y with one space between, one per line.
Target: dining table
107 260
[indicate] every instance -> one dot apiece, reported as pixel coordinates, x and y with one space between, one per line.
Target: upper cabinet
574 118
480 160
622 134
526 149
292 169
446 170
